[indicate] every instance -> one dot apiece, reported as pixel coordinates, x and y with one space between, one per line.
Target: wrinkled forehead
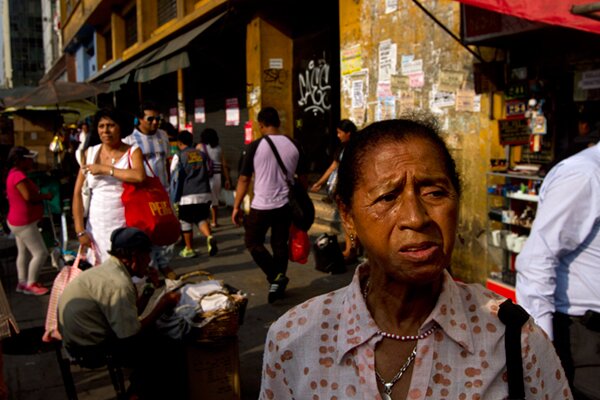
429 154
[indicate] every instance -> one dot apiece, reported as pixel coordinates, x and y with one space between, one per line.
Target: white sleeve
565 216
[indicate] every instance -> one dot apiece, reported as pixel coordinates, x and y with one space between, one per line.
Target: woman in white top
209 143
106 164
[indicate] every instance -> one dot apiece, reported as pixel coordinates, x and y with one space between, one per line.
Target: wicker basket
222 323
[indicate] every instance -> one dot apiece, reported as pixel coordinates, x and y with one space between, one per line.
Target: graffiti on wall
314 87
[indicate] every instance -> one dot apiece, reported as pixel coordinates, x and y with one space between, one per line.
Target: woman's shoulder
301 318
486 301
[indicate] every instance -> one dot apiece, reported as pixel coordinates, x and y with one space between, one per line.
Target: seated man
98 313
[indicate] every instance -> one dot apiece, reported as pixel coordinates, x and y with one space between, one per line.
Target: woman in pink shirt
25 209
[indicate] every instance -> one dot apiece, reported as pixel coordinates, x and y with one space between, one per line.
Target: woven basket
223 323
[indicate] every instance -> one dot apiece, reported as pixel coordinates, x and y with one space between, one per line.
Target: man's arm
564 219
240 191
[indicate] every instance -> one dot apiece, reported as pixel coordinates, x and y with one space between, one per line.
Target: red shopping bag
299 245
148 208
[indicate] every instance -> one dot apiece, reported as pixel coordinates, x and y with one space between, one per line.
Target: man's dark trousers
256 224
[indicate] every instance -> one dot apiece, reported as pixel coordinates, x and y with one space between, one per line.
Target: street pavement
31 368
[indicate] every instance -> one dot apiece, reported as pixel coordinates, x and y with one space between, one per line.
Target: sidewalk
37 376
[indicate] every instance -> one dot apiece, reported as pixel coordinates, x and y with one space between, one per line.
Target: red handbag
148 208
299 246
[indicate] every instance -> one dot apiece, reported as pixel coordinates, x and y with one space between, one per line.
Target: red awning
553 12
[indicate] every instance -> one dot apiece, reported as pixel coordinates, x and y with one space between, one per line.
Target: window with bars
167 10
130 27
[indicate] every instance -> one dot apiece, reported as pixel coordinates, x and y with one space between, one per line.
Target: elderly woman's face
109 131
405 210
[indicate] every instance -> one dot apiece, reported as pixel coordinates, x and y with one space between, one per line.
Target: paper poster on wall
406 101
465 100
173 120
450 81
351 60
477 103
232 112
385 108
416 80
439 99
254 96
384 89
199 112
358 94
391 6
411 67
276 63
387 60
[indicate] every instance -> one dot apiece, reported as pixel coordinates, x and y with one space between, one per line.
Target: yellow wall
265 43
471 136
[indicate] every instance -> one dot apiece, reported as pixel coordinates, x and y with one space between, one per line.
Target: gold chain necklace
388 386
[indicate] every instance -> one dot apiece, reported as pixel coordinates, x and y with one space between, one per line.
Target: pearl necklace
402 338
388 386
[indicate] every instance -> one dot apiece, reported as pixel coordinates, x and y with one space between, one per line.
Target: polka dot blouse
325 349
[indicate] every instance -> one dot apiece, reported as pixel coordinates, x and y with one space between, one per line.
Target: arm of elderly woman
135 174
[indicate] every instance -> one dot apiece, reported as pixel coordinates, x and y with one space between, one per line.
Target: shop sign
513 131
515 109
515 91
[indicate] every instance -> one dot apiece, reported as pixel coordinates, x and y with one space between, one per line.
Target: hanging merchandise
537 124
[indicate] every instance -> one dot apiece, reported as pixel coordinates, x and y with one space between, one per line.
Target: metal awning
172 55
168 57
575 14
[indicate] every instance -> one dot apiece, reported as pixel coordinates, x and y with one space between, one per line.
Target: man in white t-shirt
154 144
269 208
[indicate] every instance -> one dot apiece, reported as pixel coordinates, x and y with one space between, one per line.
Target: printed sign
351 60
232 112
199 112
514 131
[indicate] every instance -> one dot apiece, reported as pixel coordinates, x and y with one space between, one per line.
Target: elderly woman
403 328
106 164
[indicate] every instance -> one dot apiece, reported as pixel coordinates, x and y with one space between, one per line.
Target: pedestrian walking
269 208
25 210
209 144
154 144
190 170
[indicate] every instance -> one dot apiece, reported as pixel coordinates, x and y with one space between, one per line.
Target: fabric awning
553 12
172 55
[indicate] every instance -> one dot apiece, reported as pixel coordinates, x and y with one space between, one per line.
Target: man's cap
129 238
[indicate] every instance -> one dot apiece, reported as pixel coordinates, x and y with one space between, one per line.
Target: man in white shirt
558 270
154 144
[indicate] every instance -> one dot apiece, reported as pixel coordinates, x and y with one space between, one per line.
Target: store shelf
517 176
523 196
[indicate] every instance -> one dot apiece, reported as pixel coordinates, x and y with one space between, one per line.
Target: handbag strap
513 316
278 157
129 164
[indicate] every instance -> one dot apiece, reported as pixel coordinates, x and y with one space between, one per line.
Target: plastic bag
299 245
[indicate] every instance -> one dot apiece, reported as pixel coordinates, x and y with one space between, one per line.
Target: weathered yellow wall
471 136
264 43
